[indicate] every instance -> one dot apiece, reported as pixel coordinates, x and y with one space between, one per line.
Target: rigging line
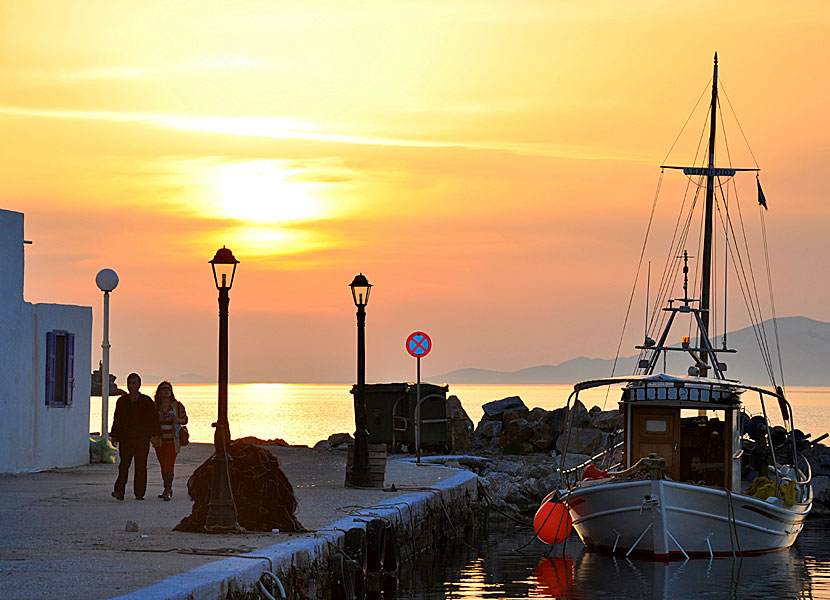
771 296
672 261
702 94
672 269
697 273
637 275
741 129
725 265
743 283
754 283
753 307
672 253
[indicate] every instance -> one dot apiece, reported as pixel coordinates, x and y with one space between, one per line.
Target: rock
535 489
459 426
323 445
511 467
521 501
537 414
582 441
131 526
260 442
336 439
594 410
513 414
821 495
489 429
493 410
518 448
541 471
607 420
500 485
543 436
474 463
516 431
557 420
580 417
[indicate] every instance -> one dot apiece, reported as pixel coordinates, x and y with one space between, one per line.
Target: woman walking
172 417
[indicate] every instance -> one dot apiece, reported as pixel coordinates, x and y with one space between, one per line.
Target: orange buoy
555 576
552 522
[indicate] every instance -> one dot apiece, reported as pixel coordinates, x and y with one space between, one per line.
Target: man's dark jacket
135 421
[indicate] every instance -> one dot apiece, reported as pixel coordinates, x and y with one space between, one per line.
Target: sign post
418 344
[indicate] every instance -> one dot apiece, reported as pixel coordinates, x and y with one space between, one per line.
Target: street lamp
107 281
221 516
360 465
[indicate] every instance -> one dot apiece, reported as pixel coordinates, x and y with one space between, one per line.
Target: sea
302 413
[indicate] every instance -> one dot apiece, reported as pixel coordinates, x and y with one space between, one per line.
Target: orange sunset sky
489 165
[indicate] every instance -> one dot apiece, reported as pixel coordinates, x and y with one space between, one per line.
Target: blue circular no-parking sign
418 344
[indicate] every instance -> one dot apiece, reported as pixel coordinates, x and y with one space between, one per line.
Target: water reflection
493 566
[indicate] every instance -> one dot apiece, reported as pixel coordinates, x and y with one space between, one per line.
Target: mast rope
682 129
762 210
741 129
744 285
672 265
636 277
765 350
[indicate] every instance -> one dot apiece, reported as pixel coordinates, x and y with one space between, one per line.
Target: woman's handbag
184 436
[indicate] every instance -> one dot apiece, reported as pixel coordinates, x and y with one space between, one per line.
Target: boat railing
602 459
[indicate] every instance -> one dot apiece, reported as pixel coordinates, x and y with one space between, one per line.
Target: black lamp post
221 515
360 467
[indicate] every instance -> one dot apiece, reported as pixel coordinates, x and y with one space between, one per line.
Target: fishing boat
691 473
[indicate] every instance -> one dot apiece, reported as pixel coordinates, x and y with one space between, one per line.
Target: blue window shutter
50 367
70 367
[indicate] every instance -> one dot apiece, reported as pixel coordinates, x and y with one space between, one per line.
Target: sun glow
263 192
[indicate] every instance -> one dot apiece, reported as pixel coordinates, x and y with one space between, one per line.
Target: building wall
34 436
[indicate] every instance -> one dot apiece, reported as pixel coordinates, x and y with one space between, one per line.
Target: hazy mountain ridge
805 346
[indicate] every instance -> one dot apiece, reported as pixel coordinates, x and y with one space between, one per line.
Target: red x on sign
418 344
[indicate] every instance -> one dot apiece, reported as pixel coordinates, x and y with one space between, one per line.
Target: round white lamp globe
106 280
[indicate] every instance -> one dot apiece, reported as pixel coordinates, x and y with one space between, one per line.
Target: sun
262 191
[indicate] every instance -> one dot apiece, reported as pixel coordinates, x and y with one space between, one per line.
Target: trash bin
390 412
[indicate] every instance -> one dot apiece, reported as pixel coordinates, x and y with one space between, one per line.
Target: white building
45 354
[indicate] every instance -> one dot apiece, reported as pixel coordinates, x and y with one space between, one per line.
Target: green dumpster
390 412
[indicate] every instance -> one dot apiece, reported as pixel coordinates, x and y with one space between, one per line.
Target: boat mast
708 222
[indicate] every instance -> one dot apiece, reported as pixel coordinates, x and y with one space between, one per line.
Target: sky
489 166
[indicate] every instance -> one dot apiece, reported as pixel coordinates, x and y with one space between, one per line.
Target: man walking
135 422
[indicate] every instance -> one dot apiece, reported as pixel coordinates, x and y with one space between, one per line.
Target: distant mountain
805 348
185 378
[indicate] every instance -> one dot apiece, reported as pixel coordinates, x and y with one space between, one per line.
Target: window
60 368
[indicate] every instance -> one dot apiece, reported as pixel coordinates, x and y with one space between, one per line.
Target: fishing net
263 495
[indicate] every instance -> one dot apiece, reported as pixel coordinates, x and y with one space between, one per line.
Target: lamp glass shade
224 268
360 290
106 280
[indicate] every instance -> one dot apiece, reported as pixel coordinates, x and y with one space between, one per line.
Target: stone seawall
311 565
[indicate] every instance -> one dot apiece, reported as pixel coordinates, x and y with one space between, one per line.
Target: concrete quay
62 535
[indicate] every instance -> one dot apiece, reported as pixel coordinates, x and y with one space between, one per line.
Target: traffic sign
418 344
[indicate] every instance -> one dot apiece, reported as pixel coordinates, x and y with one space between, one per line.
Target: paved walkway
63 536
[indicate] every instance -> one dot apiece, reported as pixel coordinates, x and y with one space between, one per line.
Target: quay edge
422 519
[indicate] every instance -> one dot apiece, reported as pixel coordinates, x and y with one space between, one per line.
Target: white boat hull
666 519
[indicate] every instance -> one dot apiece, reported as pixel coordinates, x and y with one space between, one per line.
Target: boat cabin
690 422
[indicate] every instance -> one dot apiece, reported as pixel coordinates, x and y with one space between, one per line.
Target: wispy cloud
291 129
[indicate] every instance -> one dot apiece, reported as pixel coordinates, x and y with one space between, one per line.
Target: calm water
307 413
496 566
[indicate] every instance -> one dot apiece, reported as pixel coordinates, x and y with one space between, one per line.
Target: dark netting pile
263 495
